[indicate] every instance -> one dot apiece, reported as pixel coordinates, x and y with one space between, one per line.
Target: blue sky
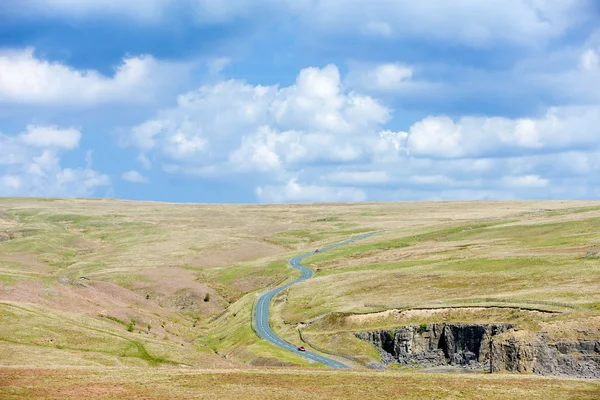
276 101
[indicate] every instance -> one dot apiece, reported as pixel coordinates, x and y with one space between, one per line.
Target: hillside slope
104 282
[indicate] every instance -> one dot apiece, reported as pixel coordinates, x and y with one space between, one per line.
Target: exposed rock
540 355
376 365
436 344
493 347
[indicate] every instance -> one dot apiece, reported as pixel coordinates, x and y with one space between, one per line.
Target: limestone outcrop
495 347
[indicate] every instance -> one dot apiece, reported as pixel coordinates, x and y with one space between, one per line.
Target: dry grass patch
133 383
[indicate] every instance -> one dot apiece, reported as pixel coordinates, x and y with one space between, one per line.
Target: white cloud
474 22
143 135
469 21
397 139
295 192
533 181
216 65
477 23
338 138
26 79
377 28
560 129
144 161
234 126
437 180
134 177
51 136
30 165
359 177
10 182
590 60
390 76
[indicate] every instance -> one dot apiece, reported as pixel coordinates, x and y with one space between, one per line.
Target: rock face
493 347
540 355
436 344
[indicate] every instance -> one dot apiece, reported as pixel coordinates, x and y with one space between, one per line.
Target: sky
284 101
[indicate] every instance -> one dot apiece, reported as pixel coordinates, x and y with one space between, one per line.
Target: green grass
560 279
499 263
272 271
428 254
543 235
571 233
8 278
144 355
232 334
377 244
309 236
84 336
383 266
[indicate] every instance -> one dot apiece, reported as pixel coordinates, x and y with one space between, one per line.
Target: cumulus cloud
339 140
134 177
560 129
240 127
30 165
27 79
294 192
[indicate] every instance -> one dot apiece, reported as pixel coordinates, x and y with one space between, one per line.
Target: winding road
262 308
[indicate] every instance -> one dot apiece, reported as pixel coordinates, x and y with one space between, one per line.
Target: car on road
301 348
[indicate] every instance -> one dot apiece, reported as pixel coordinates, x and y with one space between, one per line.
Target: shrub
130 327
207 297
422 328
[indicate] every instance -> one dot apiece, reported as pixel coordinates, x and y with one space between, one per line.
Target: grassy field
539 270
112 284
167 383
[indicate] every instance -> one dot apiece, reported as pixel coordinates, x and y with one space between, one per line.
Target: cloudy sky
275 101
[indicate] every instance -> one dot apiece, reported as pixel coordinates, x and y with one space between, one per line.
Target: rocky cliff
436 344
539 354
494 347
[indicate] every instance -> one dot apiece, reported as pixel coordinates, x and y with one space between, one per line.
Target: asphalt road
262 309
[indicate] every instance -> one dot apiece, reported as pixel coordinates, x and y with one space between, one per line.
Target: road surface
262 309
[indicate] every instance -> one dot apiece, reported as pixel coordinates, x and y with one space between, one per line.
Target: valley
145 287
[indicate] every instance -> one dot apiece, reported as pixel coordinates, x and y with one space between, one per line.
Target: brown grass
102 264
181 384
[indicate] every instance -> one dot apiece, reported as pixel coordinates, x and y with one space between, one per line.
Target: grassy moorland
150 384
539 270
104 284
